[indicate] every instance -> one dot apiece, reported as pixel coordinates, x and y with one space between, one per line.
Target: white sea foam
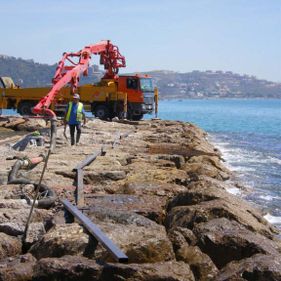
268 197
274 160
272 219
234 190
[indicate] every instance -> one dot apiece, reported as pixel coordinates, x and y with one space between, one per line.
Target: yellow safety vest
79 114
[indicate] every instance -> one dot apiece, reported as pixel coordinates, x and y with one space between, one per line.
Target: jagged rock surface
159 192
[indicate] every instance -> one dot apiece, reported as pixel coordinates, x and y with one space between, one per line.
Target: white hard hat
76 96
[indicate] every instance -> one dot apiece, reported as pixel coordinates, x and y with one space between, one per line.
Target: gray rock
9 246
170 271
72 268
207 199
68 239
141 244
259 268
225 241
201 265
18 268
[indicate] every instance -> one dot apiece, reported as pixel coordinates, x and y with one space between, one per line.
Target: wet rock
225 241
205 200
18 268
170 271
258 268
9 246
201 265
206 169
68 239
210 160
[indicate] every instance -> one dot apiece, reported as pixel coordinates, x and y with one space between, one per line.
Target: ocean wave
234 190
272 219
268 197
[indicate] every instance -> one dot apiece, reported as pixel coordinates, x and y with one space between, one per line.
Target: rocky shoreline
159 192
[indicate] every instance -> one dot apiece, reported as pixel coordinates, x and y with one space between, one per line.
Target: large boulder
224 241
144 171
13 221
71 268
259 268
82 269
141 244
206 165
150 206
180 236
19 268
168 190
9 246
201 265
206 200
168 271
141 239
61 240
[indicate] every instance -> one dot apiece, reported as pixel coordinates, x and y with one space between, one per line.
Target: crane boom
110 57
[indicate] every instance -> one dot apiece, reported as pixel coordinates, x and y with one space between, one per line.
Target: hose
28 164
13 178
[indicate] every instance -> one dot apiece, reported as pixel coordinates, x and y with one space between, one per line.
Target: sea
248 133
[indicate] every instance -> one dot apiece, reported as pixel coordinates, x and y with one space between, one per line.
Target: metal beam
96 232
79 188
89 159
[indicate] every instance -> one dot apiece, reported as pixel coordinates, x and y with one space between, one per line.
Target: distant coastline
172 85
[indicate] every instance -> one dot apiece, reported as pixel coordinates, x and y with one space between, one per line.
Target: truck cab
140 94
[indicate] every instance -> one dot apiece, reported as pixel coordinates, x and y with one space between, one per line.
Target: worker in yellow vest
74 115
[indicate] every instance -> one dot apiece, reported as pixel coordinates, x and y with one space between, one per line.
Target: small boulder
72 268
18 268
201 265
68 239
170 271
9 246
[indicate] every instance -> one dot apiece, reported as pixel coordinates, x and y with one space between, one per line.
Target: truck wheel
137 117
25 107
102 112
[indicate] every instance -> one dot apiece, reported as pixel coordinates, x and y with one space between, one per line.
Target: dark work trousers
72 133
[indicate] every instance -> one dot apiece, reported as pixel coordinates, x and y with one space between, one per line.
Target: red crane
110 57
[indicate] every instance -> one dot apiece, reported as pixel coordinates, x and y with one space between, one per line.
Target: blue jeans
72 133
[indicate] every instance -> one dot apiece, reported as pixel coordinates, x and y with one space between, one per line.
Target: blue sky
243 36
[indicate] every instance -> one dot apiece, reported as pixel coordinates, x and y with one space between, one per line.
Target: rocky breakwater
159 192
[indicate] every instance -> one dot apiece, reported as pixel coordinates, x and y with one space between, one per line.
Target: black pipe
43 203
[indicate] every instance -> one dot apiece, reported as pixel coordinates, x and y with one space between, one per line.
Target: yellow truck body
104 99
